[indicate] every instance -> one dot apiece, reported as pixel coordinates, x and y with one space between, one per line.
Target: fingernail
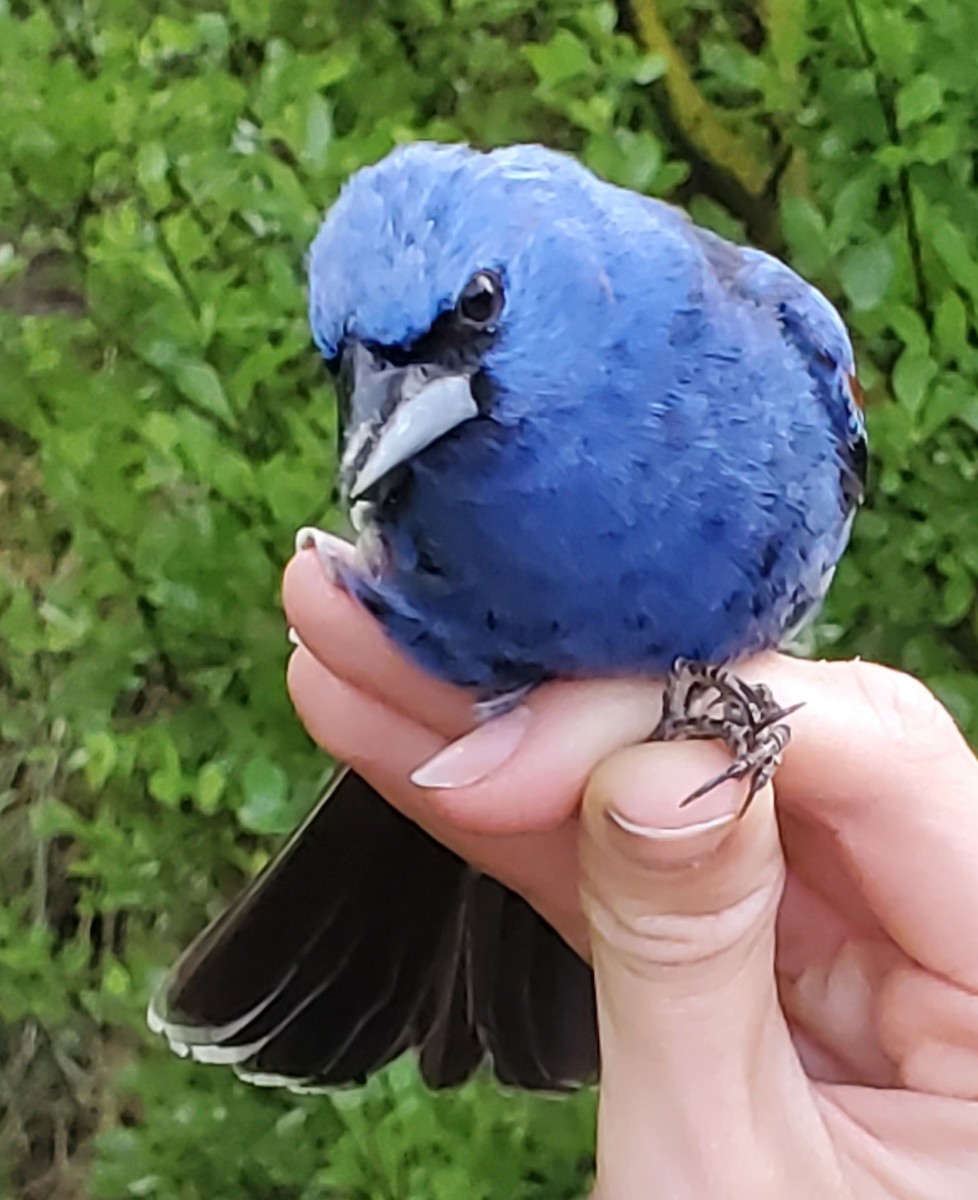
329 549
671 834
685 841
475 755
640 790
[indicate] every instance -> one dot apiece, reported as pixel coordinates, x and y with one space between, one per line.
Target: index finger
347 640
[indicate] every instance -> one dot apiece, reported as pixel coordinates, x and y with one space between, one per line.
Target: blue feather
670 455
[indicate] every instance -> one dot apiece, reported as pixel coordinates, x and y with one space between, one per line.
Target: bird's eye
481 300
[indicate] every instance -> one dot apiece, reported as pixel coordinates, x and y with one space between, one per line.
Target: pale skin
788 1002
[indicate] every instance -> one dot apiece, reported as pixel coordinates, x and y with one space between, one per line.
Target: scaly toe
703 701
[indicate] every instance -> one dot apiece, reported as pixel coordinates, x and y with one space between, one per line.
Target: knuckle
905 709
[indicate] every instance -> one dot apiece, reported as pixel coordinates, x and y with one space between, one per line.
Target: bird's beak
394 413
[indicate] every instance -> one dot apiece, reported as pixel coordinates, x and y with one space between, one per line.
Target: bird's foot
711 702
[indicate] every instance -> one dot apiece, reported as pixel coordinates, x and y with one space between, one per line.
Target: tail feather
533 997
364 938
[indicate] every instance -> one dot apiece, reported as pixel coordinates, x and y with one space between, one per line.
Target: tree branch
692 112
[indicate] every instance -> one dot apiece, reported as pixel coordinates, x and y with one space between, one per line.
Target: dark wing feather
533 999
364 938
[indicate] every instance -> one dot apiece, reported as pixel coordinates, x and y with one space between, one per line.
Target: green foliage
201 1136
165 428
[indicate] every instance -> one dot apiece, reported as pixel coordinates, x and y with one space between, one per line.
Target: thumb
702 1093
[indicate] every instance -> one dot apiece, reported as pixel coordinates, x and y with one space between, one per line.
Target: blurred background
165 426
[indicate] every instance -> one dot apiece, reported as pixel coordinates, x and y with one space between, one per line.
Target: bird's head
452 289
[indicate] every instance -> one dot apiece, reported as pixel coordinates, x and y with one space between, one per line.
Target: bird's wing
365 938
810 323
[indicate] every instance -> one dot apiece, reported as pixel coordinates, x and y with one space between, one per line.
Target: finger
527 770
376 739
877 762
384 745
929 1027
903 1144
350 643
829 982
702 1091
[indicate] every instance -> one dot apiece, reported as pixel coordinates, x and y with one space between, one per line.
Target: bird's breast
503 570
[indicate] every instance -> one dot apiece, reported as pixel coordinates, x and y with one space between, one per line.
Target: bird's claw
711 702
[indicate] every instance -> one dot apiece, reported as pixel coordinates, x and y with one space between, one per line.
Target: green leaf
101 758
951 326
912 376
919 100
266 791
211 782
958 254
804 227
165 783
865 273
116 980
318 132
563 58
201 384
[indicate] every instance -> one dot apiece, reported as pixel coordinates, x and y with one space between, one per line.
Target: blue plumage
666 454
582 437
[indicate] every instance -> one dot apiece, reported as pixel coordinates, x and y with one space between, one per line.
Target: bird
581 437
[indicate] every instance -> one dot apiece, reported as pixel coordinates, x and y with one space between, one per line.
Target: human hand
838 1058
